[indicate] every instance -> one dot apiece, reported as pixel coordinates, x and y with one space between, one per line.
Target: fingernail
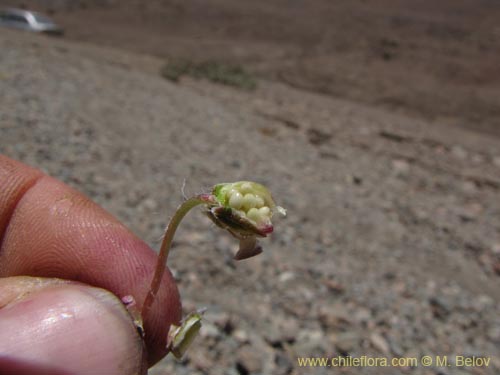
74 328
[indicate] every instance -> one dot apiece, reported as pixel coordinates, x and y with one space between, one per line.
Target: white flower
245 209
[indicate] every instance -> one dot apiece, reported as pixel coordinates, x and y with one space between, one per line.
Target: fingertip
55 231
70 327
15 179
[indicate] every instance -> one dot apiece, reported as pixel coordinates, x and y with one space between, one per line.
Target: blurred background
375 123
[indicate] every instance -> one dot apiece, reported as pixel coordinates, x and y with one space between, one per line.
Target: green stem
161 263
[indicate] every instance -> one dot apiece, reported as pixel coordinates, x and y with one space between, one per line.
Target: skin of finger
17 287
55 231
9 366
71 327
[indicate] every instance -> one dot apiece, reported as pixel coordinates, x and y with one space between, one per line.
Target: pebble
379 343
150 204
312 337
493 334
286 276
200 359
191 237
334 286
248 360
362 315
281 330
496 248
439 307
401 167
469 187
334 316
345 342
209 330
283 364
477 158
221 319
470 212
241 336
459 152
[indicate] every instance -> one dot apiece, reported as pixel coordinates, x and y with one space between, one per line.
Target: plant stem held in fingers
161 263
244 209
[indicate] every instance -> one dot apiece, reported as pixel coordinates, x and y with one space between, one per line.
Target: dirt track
392 244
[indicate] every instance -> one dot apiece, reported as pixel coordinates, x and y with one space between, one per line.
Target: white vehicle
28 20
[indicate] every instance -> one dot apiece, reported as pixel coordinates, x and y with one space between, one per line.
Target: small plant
173 70
245 210
226 74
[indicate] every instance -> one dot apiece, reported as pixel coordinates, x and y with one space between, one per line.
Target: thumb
62 327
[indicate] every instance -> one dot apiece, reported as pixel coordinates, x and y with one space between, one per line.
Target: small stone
221 319
459 152
365 131
333 286
229 371
379 343
307 294
248 360
496 267
318 137
286 276
401 167
439 307
346 342
194 237
311 342
176 274
201 360
455 372
209 330
496 248
396 349
236 164
241 336
334 316
326 236
353 179
494 333
149 204
421 214
188 305
483 301
283 363
469 187
470 212
287 236
477 158
362 315
280 331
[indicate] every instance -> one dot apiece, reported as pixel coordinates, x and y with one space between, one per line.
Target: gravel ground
392 243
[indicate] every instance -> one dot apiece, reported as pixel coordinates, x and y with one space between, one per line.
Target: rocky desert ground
391 247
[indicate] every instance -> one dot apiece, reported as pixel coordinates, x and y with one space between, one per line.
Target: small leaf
249 247
181 337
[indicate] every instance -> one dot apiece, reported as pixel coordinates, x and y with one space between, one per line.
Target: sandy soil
436 60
